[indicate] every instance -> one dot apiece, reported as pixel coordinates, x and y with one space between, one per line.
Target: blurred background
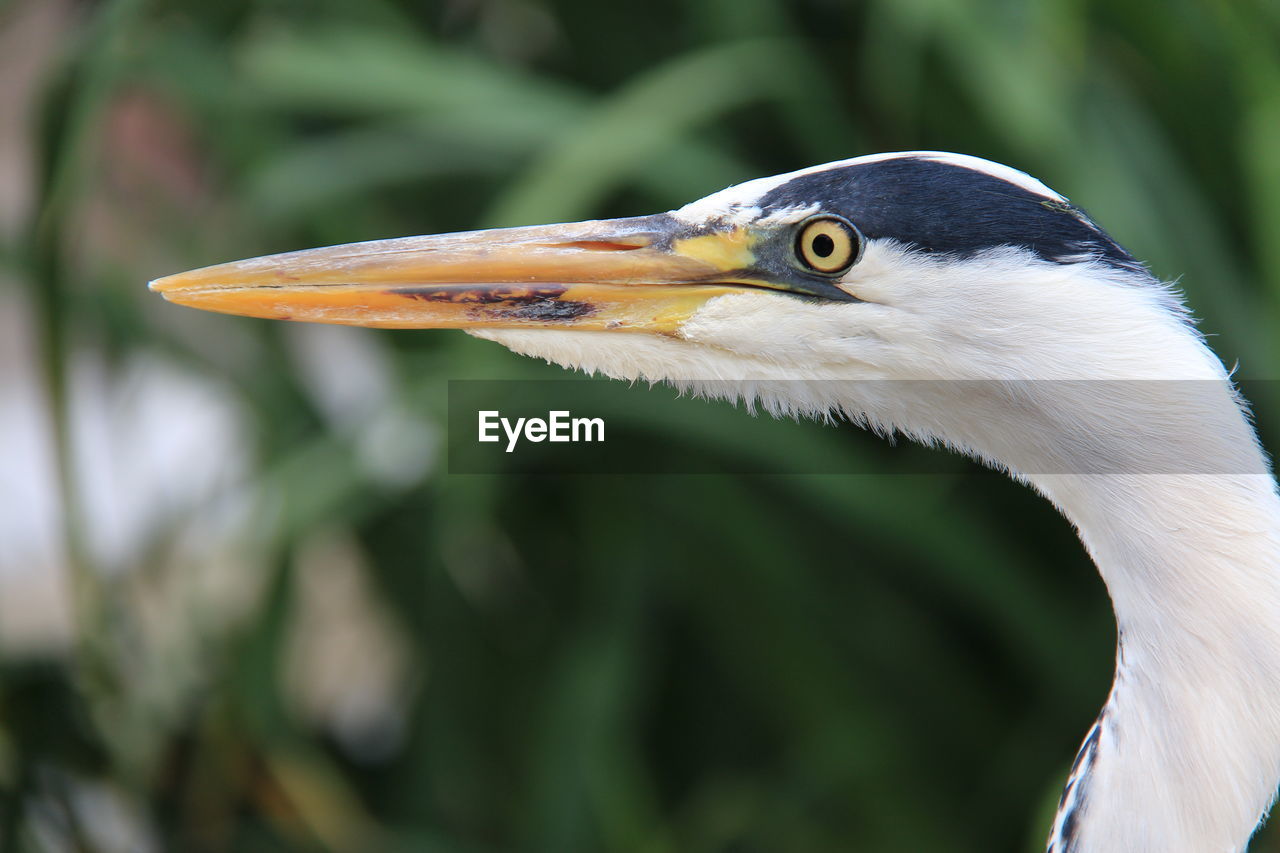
244 606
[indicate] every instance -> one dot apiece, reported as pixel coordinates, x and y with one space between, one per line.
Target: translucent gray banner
1035 427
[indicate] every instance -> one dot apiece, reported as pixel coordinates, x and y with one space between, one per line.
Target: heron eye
828 244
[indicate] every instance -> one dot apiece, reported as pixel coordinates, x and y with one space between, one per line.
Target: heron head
914 265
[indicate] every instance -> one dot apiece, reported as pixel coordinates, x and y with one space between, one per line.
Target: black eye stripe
942 208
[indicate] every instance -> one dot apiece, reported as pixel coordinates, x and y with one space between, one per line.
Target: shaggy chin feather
934 347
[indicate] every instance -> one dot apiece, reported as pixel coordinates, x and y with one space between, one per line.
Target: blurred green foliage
702 663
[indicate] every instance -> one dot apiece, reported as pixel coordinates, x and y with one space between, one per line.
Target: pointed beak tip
173 285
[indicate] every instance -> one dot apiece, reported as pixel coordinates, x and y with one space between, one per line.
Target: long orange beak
647 273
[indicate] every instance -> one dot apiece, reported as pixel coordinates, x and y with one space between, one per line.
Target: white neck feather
1186 756
1157 467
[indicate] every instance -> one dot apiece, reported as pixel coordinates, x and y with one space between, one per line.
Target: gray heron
958 302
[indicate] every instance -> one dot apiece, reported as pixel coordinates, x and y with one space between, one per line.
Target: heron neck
1185 755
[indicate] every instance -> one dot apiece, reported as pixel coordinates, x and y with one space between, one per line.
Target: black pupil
823 245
